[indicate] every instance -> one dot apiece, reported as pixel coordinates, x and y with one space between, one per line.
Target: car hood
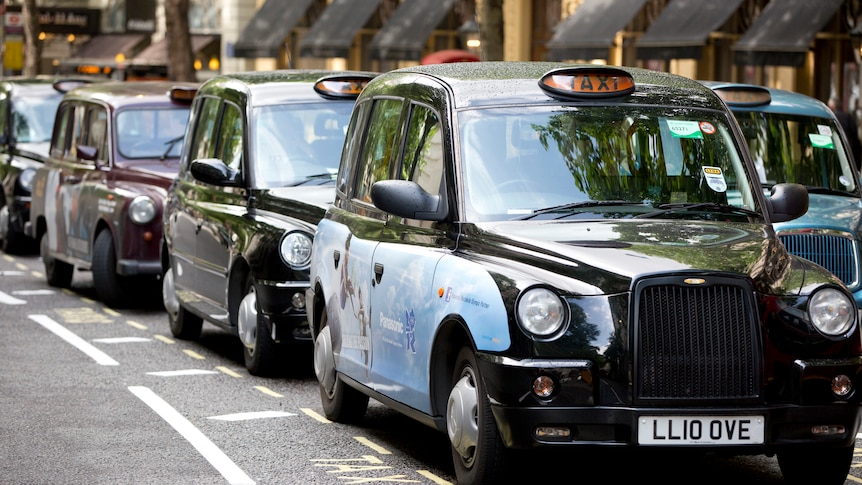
167 168
316 195
606 256
36 151
828 212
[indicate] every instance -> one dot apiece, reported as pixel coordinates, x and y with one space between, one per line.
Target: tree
491 29
32 46
180 59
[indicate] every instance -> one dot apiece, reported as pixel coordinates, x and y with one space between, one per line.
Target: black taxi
97 201
542 255
255 177
27 108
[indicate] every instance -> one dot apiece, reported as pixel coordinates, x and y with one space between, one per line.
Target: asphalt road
91 395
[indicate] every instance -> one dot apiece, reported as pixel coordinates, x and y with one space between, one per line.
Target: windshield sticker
715 178
684 129
707 128
821 141
824 130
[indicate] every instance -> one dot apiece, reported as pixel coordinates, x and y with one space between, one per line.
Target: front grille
833 250
696 342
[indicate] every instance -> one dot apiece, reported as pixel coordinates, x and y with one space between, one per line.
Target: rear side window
423 153
230 151
379 149
205 136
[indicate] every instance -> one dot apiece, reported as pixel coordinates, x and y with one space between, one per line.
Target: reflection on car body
795 138
97 205
541 255
27 108
254 181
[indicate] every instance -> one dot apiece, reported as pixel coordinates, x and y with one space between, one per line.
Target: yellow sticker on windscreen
821 141
684 129
715 178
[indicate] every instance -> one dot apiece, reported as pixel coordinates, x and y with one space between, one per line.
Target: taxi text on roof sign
341 86
587 82
744 96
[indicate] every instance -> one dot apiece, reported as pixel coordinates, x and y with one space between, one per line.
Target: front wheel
113 289
184 324
821 465
259 351
477 451
58 273
341 403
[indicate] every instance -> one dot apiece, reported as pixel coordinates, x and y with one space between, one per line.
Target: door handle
378 272
71 179
336 258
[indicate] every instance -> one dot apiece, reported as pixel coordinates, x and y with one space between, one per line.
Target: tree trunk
180 59
32 46
491 29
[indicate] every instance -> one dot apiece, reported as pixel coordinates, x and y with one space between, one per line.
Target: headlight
541 312
295 249
142 210
25 179
832 312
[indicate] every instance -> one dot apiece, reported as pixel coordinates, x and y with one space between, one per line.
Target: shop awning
104 49
589 32
683 28
157 54
333 33
783 32
264 34
404 35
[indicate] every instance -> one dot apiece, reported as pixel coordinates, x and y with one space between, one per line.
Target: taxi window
32 117
516 162
205 136
352 145
378 151
231 137
151 132
61 131
95 133
800 149
423 154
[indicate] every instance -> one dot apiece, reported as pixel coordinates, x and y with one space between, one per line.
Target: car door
87 186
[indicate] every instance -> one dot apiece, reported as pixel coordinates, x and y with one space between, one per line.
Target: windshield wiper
690 206
320 177
576 205
171 144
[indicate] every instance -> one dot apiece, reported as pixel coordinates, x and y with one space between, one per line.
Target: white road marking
62 332
11 273
121 340
33 292
187 372
254 415
8 299
187 430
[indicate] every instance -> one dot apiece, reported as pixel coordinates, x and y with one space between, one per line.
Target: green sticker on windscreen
684 129
821 141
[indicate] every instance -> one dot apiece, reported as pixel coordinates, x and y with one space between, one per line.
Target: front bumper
285 321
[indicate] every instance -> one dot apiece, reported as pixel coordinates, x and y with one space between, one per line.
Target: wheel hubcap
247 320
169 295
324 360
462 421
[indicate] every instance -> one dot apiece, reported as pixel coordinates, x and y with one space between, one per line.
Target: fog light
827 430
553 432
543 387
842 386
298 300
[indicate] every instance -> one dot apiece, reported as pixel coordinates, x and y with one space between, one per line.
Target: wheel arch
239 271
451 337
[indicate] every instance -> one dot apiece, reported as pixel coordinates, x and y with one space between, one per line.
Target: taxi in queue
796 138
542 255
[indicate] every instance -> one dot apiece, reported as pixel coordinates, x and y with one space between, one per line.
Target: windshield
33 116
297 143
151 132
799 149
602 162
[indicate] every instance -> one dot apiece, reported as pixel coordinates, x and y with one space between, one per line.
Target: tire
477 451
259 351
184 324
112 289
820 465
12 242
341 403
57 273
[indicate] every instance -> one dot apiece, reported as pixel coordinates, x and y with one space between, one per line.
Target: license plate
700 430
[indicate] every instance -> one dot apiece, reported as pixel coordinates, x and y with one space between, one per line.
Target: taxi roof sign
341 86
587 82
744 95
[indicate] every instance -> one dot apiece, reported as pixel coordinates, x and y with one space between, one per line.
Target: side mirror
86 152
787 202
213 171
407 199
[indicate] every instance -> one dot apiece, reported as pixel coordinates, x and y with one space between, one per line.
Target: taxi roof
782 102
274 87
507 83
128 93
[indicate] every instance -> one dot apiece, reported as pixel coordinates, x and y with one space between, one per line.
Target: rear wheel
341 403
184 324
113 289
57 273
820 465
13 242
259 351
477 451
